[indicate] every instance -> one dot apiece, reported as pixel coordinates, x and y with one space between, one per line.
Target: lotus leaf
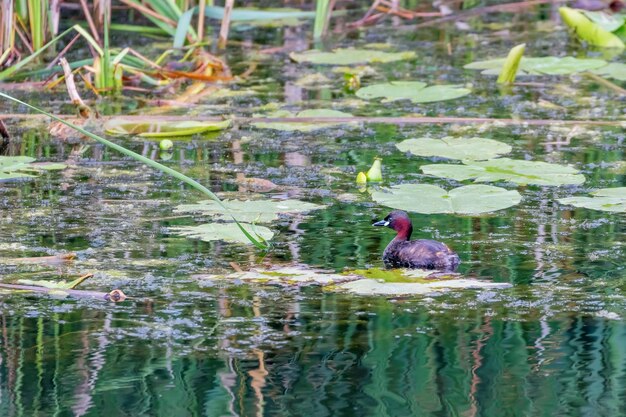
455 148
262 211
162 129
429 199
13 167
605 199
415 91
375 287
228 232
548 65
505 169
349 56
607 21
304 126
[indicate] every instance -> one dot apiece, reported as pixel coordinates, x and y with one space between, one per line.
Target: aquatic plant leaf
349 56
615 70
605 199
415 91
505 169
296 275
162 129
228 232
589 31
455 148
547 65
304 126
13 167
376 287
511 65
607 21
258 211
429 199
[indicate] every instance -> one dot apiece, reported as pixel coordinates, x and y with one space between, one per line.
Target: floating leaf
505 169
547 65
13 167
455 148
349 56
162 129
304 126
376 287
429 199
605 199
615 70
229 232
589 31
511 65
262 211
415 91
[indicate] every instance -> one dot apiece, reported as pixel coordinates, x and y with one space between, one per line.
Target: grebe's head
399 221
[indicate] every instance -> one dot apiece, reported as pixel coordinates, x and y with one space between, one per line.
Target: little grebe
404 253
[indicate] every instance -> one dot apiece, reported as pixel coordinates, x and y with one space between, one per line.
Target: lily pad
615 70
376 287
429 199
304 126
228 232
416 91
606 199
14 167
548 65
455 148
505 169
607 21
349 56
162 129
262 211
296 275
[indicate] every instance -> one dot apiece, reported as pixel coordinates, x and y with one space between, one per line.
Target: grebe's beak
381 223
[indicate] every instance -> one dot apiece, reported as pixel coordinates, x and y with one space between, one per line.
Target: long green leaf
261 244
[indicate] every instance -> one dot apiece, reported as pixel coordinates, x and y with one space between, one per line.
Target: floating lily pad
304 126
162 129
261 211
296 275
415 91
548 65
13 167
429 199
505 169
615 70
228 232
605 199
455 148
376 287
349 56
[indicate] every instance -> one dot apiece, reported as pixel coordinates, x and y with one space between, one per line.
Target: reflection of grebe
404 253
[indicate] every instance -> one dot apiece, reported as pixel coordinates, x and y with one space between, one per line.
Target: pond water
551 345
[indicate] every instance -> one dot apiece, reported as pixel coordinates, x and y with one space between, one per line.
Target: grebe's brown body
423 253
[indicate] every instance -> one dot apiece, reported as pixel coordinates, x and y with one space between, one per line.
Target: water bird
422 253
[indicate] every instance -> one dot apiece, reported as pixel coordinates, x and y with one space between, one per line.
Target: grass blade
261 244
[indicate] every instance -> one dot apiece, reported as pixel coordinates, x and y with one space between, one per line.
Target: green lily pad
606 199
548 65
13 167
162 129
261 211
349 56
415 91
228 232
429 199
505 169
376 287
615 70
304 126
455 148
